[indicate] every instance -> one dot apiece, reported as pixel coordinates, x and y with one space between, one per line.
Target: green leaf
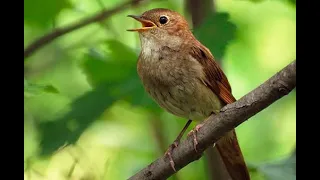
50 89
43 12
31 89
117 66
215 33
113 66
84 110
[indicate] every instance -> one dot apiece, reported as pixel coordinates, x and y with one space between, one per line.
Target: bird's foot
193 132
169 152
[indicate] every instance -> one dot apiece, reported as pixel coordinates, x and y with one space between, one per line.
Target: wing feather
215 79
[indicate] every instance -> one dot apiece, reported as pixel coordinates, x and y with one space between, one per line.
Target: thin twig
47 38
231 116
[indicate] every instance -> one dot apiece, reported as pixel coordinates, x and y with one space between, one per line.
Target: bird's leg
176 143
193 132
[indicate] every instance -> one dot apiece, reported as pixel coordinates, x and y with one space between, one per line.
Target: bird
181 75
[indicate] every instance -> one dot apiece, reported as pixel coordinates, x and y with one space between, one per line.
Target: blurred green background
88 117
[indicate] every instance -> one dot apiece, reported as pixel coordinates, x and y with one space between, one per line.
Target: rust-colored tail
232 157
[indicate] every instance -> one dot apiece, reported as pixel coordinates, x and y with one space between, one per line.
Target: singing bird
181 75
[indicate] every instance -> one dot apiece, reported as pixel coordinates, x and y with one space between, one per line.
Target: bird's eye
163 19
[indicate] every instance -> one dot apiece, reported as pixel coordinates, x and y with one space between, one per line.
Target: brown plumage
180 74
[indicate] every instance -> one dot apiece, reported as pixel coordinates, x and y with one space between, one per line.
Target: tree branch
47 38
231 116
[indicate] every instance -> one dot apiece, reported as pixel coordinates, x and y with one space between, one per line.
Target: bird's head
162 25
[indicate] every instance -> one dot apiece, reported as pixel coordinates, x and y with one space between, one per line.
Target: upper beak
146 24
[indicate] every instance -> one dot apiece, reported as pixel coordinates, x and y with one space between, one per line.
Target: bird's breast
174 82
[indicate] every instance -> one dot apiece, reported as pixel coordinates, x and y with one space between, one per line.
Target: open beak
146 24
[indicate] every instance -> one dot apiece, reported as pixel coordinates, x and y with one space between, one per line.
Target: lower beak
146 24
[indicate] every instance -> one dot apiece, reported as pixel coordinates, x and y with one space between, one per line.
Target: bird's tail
232 157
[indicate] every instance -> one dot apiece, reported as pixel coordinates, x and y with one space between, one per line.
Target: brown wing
216 80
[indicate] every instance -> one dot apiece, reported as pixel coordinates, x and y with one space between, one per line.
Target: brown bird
181 75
